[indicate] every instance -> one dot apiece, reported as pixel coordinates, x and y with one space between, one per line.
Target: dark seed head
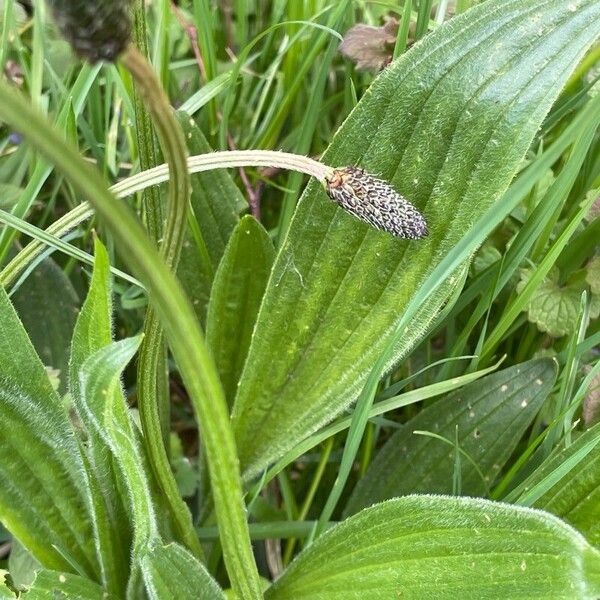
97 31
376 202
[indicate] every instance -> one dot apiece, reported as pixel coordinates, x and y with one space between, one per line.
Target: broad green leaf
444 548
488 418
52 585
235 298
573 495
93 331
43 496
171 572
216 202
48 305
448 124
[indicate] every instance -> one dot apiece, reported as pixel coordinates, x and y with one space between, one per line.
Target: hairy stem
160 174
151 372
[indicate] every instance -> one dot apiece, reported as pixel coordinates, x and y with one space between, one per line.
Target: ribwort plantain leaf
97 31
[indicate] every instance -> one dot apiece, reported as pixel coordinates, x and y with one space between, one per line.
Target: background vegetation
358 368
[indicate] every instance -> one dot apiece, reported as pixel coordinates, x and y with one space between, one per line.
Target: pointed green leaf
489 417
444 548
571 478
93 331
236 295
171 572
43 497
107 412
448 124
216 202
52 585
47 305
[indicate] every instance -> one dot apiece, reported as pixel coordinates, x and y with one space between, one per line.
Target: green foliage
93 332
554 308
488 124
44 501
216 202
484 421
172 572
449 131
236 295
442 547
48 305
51 585
567 484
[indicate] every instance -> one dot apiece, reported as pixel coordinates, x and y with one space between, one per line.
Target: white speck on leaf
504 388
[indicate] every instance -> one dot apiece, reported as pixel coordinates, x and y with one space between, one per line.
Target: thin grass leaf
567 484
72 104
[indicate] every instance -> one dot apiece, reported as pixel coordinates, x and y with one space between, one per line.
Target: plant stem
152 209
181 327
151 204
151 376
160 174
402 39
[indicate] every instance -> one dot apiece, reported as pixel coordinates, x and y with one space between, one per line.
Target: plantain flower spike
97 31
376 202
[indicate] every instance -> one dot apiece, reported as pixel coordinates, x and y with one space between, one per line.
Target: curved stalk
153 399
160 174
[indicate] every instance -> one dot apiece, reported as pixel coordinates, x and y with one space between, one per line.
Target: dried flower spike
374 201
97 31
